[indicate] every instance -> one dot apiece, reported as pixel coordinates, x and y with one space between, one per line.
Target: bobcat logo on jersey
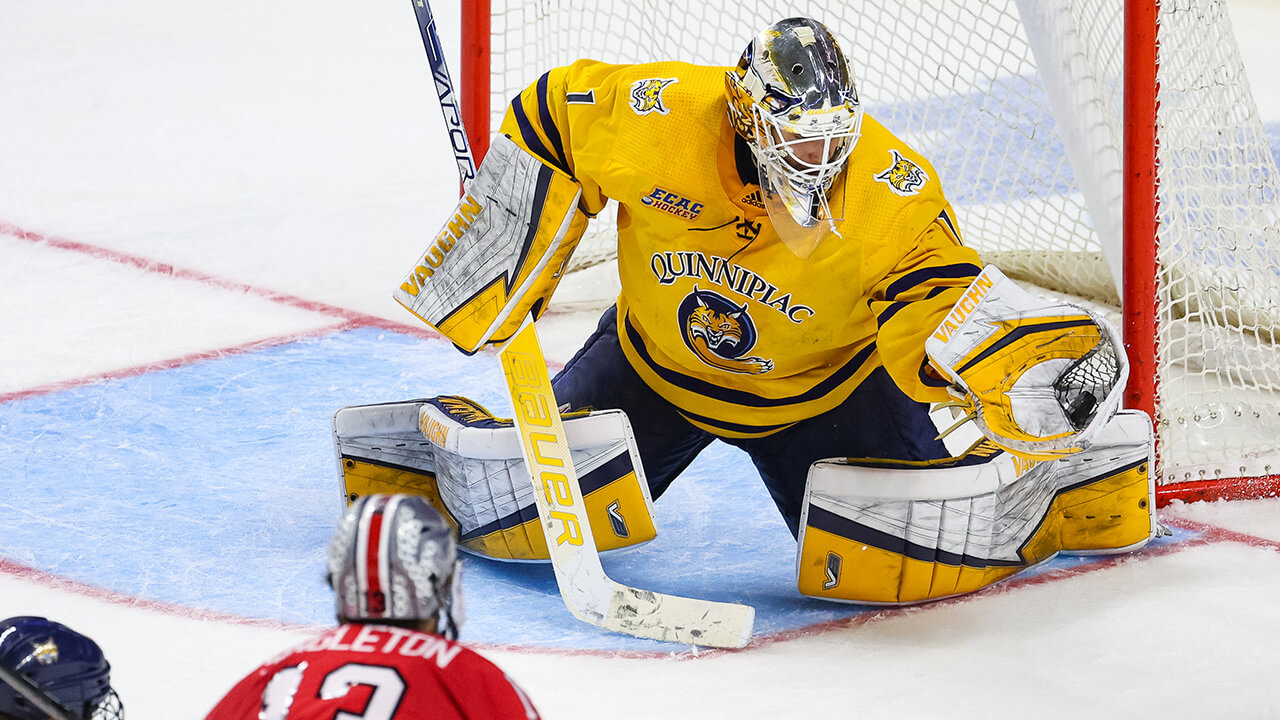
903 176
646 95
720 333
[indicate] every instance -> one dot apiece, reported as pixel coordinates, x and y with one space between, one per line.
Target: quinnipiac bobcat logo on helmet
394 557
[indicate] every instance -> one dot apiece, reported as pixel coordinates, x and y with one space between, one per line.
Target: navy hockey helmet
394 557
59 664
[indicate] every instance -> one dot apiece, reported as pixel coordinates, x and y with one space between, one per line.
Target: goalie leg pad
467 463
1113 510
501 254
900 533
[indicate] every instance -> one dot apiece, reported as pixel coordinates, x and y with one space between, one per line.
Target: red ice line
347 319
350 319
1209 535
56 582
171 363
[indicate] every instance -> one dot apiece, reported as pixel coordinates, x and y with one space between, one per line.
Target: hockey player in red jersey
394 570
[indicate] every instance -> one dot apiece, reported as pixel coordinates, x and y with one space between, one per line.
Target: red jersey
376 672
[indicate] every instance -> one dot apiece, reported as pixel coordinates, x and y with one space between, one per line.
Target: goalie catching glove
1039 377
501 255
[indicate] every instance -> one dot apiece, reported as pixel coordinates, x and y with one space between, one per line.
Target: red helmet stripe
372 548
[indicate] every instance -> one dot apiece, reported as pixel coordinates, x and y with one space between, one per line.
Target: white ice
295 146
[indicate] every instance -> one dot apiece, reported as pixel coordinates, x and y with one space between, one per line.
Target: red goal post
1103 150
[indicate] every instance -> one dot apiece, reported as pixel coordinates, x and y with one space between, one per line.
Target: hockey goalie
793 283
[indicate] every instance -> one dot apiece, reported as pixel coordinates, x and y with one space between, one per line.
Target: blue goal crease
214 486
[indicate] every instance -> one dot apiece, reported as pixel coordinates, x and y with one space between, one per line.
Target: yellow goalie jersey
715 313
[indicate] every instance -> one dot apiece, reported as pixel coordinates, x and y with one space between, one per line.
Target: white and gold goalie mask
793 97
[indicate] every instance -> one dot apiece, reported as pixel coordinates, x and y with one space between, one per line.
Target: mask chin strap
820 207
824 206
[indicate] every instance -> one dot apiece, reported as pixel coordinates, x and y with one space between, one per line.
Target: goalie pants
877 420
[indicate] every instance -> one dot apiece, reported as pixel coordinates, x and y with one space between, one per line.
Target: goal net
1019 106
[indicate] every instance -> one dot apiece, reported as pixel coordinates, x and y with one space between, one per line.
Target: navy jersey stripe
889 312
923 275
893 309
731 426
549 123
530 136
741 397
951 225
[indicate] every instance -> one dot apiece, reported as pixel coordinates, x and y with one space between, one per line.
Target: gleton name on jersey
674 203
670 266
386 639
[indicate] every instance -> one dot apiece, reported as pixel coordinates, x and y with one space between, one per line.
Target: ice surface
168 478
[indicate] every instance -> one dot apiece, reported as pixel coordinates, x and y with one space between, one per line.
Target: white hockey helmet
394 557
794 99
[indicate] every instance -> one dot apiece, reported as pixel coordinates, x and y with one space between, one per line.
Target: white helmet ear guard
794 99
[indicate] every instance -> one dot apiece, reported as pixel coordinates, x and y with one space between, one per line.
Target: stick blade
672 618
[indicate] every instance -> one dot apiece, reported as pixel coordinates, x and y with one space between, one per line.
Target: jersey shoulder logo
646 95
673 203
903 177
720 333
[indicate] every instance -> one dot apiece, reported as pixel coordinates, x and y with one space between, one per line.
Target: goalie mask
794 99
394 557
54 663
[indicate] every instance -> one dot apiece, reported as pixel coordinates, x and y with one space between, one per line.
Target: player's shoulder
671 69
892 164
652 88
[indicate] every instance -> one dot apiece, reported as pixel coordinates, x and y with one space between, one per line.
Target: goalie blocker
501 254
468 464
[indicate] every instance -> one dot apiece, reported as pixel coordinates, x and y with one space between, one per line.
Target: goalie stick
444 93
590 594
